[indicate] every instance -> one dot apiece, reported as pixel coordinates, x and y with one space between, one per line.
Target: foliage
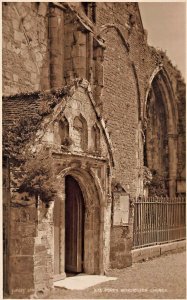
49 100
16 137
38 178
158 186
35 171
147 176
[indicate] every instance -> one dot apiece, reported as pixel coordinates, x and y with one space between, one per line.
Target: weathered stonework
25 47
89 76
85 164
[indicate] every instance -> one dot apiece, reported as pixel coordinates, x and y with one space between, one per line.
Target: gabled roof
28 105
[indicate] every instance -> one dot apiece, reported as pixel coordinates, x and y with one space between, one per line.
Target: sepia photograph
94 150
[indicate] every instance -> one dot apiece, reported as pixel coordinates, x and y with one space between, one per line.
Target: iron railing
158 220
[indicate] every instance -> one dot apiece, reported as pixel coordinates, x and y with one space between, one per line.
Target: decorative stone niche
80 133
61 132
96 139
64 131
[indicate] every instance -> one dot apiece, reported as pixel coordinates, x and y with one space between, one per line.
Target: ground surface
160 278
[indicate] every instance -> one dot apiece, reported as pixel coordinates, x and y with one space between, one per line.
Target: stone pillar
79 54
43 250
59 233
98 75
172 145
21 250
56 42
89 244
105 226
30 248
90 58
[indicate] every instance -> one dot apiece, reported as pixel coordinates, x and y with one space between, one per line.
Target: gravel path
160 278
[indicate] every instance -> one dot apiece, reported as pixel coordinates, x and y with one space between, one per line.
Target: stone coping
143 254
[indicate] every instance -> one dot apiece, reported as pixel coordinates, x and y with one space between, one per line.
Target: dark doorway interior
74 226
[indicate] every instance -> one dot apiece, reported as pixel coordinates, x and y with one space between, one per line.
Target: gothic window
96 138
80 133
90 10
156 142
64 131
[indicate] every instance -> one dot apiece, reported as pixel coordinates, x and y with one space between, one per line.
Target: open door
74 226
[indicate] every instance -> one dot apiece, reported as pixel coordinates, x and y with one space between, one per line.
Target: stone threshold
143 254
81 281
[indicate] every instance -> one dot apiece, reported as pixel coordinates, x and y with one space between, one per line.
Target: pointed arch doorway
74 226
78 226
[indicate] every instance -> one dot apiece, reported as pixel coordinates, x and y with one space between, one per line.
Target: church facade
93 117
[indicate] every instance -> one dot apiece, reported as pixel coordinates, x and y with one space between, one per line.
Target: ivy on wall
33 171
158 186
37 177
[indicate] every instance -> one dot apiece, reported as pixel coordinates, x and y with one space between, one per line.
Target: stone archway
160 131
93 210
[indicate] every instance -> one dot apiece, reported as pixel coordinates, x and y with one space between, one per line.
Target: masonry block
21 264
155 251
27 246
69 40
15 215
40 274
19 36
28 214
79 50
67 52
80 72
42 10
79 62
28 231
181 244
18 55
16 24
15 246
39 260
21 285
80 38
175 246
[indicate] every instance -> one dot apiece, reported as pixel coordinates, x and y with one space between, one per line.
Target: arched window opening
156 157
80 133
96 139
90 10
64 132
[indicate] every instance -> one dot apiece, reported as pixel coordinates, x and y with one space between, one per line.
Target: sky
165 23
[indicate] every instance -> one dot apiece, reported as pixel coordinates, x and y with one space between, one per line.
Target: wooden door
74 226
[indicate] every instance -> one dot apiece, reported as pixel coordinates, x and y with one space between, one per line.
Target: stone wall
21 250
120 109
44 250
56 47
30 255
31 236
25 47
120 77
75 60
129 64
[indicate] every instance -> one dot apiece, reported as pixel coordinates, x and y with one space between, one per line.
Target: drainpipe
56 46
